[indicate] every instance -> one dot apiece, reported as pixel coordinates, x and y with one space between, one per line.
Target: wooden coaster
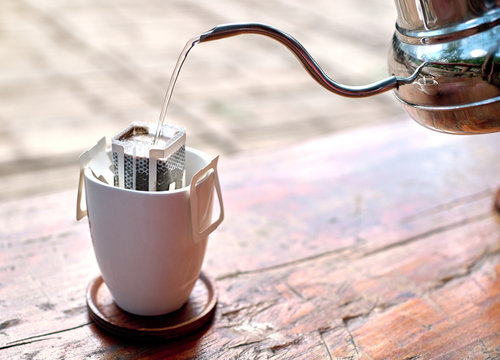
198 310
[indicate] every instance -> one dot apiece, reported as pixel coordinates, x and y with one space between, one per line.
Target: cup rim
90 176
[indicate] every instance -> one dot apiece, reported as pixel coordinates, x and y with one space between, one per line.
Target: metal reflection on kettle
444 61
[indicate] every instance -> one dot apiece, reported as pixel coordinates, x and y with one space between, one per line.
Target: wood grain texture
381 243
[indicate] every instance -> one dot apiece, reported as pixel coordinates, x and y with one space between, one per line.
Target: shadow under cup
150 245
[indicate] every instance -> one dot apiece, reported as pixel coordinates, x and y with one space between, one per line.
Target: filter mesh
169 169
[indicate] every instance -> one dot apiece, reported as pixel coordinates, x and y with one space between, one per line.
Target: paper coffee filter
141 165
98 160
101 166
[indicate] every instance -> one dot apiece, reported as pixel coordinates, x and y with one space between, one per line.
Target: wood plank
373 244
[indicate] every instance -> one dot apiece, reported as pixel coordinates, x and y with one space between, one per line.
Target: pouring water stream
173 79
228 30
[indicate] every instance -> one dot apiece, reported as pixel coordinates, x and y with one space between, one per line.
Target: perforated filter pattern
171 170
142 173
115 169
128 163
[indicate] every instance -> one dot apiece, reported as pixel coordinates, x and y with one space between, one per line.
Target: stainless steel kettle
444 61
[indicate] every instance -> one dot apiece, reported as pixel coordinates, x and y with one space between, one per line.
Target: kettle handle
227 30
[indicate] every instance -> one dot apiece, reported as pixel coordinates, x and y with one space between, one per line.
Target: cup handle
198 233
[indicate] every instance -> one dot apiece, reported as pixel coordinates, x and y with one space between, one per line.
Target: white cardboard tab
99 162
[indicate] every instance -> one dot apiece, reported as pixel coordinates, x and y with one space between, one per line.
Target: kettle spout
312 67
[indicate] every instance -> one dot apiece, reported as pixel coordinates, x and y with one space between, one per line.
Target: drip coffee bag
142 164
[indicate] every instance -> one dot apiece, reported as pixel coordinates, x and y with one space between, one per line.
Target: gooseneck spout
228 30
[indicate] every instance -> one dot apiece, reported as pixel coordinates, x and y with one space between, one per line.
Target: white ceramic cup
150 245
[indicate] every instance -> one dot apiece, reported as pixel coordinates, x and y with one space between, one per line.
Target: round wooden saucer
198 310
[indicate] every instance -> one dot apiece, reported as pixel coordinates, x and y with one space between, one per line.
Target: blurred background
74 71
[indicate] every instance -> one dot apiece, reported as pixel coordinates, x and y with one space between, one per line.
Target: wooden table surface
379 243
